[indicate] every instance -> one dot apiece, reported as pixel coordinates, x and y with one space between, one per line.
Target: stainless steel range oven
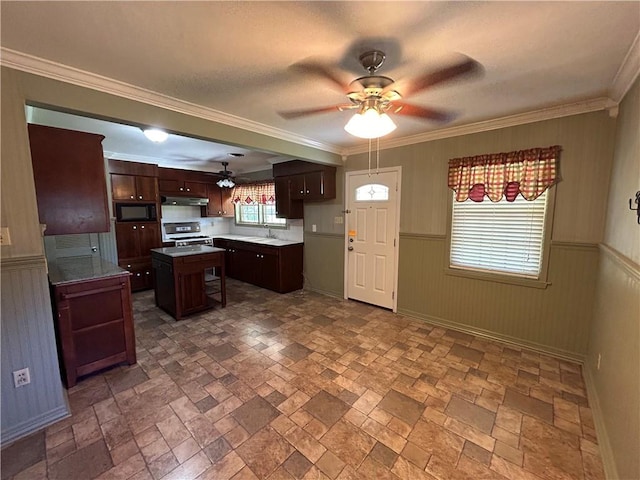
183 234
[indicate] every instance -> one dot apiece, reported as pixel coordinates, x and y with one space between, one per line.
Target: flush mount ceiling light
155 135
370 122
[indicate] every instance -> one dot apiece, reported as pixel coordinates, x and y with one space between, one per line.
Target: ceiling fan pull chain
369 171
377 155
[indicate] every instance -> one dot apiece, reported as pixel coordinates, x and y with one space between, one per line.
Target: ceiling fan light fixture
225 183
370 124
155 135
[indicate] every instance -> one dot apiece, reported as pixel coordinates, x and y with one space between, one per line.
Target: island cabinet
93 316
179 278
274 267
70 180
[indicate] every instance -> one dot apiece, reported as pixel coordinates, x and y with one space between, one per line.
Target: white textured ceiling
233 57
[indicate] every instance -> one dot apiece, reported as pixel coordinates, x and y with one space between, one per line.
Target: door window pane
372 192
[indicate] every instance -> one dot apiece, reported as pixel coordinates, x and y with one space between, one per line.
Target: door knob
350 248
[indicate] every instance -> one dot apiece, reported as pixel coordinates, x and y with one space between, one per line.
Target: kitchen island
93 316
179 278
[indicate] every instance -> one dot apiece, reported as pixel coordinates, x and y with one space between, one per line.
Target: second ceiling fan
374 96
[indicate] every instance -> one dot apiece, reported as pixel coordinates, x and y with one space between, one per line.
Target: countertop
275 242
186 251
77 269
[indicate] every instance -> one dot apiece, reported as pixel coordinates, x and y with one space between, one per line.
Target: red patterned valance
260 192
525 172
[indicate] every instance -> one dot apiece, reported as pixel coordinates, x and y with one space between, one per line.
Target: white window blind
505 237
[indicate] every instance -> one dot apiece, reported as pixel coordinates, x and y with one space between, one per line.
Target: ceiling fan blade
289 114
401 108
468 66
324 71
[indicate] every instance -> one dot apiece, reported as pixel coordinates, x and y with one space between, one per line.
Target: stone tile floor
304 386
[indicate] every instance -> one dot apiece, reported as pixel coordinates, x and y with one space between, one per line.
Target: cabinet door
123 187
269 272
146 189
149 235
226 195
214 207
170 186
193 296
245 265
70 180
195 189
127 240
297 186
314 186
285 206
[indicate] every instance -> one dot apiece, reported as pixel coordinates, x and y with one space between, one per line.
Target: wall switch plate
21 377
313 228
338 220
5 239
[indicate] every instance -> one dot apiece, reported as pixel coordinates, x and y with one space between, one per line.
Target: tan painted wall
587 150
615 332
556 318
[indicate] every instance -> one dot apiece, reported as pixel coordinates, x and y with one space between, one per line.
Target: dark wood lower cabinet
141 276
277 268
94 325
180 279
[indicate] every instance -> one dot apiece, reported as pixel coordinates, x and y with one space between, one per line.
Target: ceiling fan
374 96
227 180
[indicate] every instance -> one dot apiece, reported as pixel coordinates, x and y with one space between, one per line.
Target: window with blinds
502 237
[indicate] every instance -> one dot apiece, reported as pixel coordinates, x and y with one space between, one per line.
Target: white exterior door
372 223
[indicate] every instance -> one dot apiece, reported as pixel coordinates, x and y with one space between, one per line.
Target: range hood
184 201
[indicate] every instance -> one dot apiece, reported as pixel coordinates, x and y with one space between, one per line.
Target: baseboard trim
606 452
441 322
337 295
33 425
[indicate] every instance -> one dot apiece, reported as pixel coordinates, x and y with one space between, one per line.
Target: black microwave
136 212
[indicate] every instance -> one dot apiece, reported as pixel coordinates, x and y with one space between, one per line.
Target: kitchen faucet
270 234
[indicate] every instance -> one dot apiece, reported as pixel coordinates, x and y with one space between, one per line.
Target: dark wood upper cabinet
173 181
286 207
134 188
297 182
70 180
220 202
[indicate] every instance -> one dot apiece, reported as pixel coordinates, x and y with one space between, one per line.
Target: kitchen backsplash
294 232
219 226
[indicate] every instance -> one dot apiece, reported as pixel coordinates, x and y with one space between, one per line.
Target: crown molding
586 106
57 71
627 73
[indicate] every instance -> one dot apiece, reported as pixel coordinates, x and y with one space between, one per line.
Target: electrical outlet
314 228
5 239
599 358
21 377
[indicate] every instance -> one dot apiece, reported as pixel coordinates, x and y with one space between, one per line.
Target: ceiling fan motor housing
372 60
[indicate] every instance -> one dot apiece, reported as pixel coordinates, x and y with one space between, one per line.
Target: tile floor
304 386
